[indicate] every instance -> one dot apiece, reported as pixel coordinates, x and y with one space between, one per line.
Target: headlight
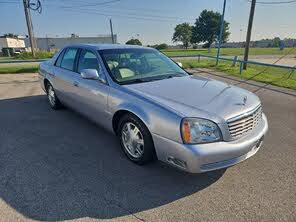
195 130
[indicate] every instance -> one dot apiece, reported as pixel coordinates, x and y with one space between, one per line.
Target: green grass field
180 52
270 75
26 68
5 58
229 51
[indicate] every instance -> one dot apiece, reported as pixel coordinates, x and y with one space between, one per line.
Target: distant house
53 44
264 43
9 45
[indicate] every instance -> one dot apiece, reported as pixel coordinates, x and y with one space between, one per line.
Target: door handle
75 83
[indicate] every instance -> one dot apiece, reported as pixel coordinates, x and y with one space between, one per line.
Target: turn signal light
186 132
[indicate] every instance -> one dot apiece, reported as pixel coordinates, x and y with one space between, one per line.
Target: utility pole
29 26
221 33
250 25
111 28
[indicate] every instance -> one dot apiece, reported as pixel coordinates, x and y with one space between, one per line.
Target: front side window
139 65
69 59
87 60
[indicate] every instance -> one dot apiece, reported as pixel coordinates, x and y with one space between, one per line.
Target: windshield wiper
168 75
136 81
174 74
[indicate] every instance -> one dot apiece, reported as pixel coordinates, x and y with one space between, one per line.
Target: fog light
177 162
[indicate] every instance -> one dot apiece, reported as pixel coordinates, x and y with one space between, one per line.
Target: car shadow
57 165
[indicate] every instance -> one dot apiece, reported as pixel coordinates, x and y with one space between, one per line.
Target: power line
93 4
120 11
35 6
274 3
128 16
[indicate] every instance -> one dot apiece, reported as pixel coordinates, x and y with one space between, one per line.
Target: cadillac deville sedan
155 108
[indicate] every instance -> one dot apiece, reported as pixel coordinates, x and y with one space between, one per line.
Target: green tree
183 33
161 46
133 42
10 35
276 42
207 28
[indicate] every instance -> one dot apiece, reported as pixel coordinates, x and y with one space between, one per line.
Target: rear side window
59 60
87 60
69 59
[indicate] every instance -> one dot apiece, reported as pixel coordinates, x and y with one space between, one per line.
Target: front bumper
212 156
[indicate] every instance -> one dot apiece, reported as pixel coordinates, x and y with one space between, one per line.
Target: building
9 45
53 44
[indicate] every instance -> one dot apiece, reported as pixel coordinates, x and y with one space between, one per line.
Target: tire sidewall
56 104
149 153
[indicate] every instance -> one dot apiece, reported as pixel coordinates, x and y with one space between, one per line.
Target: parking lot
57 165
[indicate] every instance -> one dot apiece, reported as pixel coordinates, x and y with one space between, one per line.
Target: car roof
108 46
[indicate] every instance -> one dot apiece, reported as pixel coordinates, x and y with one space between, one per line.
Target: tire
144 151
53 100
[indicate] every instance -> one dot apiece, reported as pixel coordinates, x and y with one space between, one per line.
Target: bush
39 55
133 42
162 46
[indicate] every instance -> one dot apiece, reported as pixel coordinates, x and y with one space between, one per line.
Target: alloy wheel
132 140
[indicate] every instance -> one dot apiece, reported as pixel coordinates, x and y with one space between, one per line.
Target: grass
4 58
39 55
178 52
270 75
229 51
27 55
29 68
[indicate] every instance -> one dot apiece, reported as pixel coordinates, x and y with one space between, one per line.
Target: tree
133 42
276 42
207 28
183 33
161 46
10 35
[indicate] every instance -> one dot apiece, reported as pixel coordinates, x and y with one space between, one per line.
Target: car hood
193 96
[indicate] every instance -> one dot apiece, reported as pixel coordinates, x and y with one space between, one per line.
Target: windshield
128 66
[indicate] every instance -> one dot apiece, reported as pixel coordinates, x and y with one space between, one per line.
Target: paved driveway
57 165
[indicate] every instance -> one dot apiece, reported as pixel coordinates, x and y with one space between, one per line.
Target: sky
152 21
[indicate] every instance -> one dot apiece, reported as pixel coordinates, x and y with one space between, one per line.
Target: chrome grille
240 125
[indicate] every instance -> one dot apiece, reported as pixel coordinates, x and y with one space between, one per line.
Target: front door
92 95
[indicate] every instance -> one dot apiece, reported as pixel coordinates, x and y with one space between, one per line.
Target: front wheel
136 140
52 98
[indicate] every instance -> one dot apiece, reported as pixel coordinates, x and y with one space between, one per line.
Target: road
57 165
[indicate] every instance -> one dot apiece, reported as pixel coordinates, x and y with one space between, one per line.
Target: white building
53 44
14 43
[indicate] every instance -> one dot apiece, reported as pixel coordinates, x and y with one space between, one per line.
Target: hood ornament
244 102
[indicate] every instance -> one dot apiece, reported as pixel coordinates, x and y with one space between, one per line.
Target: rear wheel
135 140
52 98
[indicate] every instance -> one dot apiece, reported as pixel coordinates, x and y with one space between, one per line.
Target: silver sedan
156 109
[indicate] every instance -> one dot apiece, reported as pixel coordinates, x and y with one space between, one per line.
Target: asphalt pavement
58 165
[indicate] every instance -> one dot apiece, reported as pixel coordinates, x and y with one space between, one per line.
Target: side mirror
92 74
89 74
180 64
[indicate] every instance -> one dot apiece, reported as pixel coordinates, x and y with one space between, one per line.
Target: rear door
66 79
92 95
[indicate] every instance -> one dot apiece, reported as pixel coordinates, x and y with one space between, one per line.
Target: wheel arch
136 112
46 81
141 116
